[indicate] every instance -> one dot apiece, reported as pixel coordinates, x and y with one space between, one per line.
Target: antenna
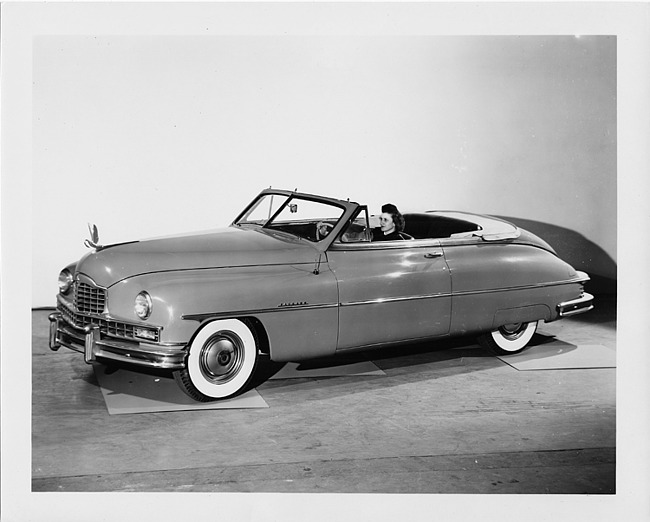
317 269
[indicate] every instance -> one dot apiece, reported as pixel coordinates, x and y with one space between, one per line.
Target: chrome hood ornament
93 242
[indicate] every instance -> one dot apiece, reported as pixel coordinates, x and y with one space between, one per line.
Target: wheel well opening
259 333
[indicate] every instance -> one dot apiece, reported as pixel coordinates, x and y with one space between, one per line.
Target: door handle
433 255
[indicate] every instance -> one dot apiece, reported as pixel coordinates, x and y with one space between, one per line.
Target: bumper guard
89 341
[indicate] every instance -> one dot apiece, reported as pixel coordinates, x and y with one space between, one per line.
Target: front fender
184 299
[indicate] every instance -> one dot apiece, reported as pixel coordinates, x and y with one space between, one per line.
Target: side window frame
367 231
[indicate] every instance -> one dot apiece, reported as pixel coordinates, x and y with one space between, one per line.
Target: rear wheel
509 338
221 361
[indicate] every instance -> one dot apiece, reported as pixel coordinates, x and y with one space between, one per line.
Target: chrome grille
106 326
89 299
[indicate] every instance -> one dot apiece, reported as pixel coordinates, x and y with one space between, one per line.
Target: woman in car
391 223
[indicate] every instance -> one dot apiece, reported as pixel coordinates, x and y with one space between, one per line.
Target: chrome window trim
353 246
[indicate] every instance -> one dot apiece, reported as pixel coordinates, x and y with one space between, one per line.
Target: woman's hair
398 219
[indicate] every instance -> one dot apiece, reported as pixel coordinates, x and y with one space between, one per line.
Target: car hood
226 247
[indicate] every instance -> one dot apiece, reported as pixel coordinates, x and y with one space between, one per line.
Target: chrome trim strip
357 246
457 294
523 287
149 342
257 311
382 300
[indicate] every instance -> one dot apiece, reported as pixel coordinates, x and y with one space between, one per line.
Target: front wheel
509 338
221 361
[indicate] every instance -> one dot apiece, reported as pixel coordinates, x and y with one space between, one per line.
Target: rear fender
524 314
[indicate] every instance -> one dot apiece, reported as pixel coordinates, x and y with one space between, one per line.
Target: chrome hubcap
222 357
512 331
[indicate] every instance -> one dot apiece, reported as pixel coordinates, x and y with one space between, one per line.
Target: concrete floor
446 418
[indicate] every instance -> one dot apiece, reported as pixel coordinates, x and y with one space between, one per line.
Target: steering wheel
323 229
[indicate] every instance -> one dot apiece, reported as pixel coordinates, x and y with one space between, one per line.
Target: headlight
65 281
143 305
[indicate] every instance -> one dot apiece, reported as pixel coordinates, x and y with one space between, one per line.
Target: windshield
296 215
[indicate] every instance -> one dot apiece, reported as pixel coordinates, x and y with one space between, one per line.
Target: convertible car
297 276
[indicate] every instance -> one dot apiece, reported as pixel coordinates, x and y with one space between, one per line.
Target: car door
390 291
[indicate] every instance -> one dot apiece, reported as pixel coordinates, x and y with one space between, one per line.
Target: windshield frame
347 208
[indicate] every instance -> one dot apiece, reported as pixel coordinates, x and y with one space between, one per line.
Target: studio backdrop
154 135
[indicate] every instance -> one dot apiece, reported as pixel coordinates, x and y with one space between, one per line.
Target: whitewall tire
221 361
509 339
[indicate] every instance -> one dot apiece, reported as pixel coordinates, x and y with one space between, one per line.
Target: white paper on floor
321 369
125 391
559 355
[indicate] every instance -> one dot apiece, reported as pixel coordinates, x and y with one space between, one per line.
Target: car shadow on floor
411 363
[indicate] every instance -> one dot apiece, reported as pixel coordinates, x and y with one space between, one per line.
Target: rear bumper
89 341
576 306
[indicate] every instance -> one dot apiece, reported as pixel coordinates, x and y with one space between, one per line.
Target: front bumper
576 306
94 346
